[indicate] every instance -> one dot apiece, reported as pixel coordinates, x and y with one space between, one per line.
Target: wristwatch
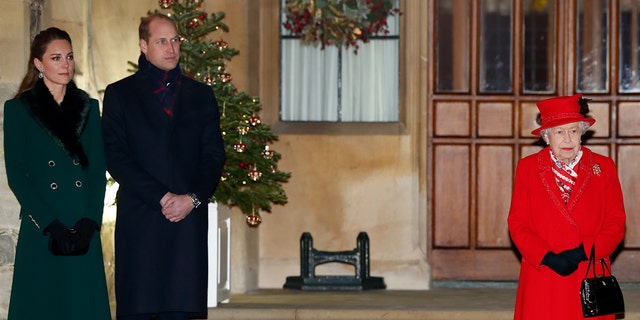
194 199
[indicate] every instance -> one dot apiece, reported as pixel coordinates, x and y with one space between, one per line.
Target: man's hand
176 207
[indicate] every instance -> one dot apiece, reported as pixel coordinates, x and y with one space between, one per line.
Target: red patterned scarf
165 84
565 174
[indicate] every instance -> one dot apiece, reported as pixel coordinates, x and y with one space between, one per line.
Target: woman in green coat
55 166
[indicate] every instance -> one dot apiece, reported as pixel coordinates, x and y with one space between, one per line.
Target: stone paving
437 304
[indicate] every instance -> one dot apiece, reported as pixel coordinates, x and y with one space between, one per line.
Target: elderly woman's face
565 141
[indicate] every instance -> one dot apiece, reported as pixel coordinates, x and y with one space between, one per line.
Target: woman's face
564 141
57 64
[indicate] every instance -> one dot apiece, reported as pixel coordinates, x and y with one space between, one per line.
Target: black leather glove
566 262
84 229
576 254
86 226
70 242
56 229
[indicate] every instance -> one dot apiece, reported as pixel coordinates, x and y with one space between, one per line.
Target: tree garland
338 22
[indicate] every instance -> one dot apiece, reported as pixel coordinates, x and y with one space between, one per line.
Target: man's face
163 47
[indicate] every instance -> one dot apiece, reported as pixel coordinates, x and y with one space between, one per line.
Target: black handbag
600 295
64 241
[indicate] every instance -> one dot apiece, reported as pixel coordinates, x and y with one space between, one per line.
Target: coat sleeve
119 157
94 148
529 243
612 231
15 152
212 155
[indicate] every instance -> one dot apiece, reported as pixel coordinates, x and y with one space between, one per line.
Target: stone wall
14 29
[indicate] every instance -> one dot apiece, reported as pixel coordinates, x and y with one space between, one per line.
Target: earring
40 75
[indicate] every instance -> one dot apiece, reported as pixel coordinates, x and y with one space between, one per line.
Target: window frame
269 73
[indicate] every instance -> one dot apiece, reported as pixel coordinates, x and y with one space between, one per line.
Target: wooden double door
491 61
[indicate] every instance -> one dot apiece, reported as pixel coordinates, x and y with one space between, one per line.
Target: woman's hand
565 262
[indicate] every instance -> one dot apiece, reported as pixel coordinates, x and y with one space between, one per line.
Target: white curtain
370 82
336 85
309 82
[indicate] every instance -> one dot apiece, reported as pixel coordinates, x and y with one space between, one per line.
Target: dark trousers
157 316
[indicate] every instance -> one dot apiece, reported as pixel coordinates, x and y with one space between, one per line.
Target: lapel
585 173
182 100
548 181
149 102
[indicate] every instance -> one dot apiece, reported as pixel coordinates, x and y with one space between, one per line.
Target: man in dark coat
164 147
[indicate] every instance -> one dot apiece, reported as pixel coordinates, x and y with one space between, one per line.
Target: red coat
540 222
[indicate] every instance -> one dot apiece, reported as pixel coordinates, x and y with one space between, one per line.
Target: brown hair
143 29
38 48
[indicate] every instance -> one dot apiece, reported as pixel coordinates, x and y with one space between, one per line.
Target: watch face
194 199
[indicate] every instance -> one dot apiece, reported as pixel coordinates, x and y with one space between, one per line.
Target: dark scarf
165 84
64 122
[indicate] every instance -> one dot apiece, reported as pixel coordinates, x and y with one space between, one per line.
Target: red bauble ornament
266 153
254 174
253 220
221 44
165 4
254 120
225 77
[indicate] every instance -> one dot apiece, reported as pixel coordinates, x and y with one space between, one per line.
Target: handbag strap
604 267
592 260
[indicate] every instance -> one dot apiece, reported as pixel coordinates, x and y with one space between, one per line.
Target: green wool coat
50 184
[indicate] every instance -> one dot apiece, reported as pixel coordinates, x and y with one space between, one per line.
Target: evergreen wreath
338 22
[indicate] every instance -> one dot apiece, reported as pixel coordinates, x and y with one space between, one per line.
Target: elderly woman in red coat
565 200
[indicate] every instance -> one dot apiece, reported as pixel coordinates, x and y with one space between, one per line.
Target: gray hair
583 125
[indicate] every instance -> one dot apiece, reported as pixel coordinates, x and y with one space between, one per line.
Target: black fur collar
64 122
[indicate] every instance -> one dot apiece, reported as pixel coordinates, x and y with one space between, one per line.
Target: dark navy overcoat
161 266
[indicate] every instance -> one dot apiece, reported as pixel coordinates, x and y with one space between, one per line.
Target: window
539 47
629 40
592 69
337 84
495 47
452 51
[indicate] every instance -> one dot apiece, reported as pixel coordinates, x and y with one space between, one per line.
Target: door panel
494 194
452 204
482 111
628 157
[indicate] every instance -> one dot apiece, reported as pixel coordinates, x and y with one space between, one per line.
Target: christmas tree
250 180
